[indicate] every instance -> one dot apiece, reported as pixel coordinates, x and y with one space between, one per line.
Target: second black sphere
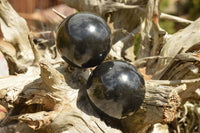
116 88
83 40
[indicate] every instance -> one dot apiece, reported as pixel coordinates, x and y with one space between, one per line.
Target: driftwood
45 95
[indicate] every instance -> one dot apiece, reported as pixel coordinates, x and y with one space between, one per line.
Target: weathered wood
181 42
49 97
59 99
15 31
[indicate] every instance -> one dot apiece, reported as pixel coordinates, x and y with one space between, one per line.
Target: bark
47 95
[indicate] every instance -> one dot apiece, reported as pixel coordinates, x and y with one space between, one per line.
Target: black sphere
116 88
83 40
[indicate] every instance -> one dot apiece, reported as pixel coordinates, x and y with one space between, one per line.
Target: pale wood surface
49 97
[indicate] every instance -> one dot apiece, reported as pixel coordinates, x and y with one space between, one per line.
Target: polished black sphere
116 88
83 40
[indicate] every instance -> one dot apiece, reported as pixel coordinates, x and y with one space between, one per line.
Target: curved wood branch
14 66
146 26
15 31
180 42
175 18
36 54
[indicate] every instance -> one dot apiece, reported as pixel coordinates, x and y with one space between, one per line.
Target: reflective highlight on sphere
116 88
83 40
